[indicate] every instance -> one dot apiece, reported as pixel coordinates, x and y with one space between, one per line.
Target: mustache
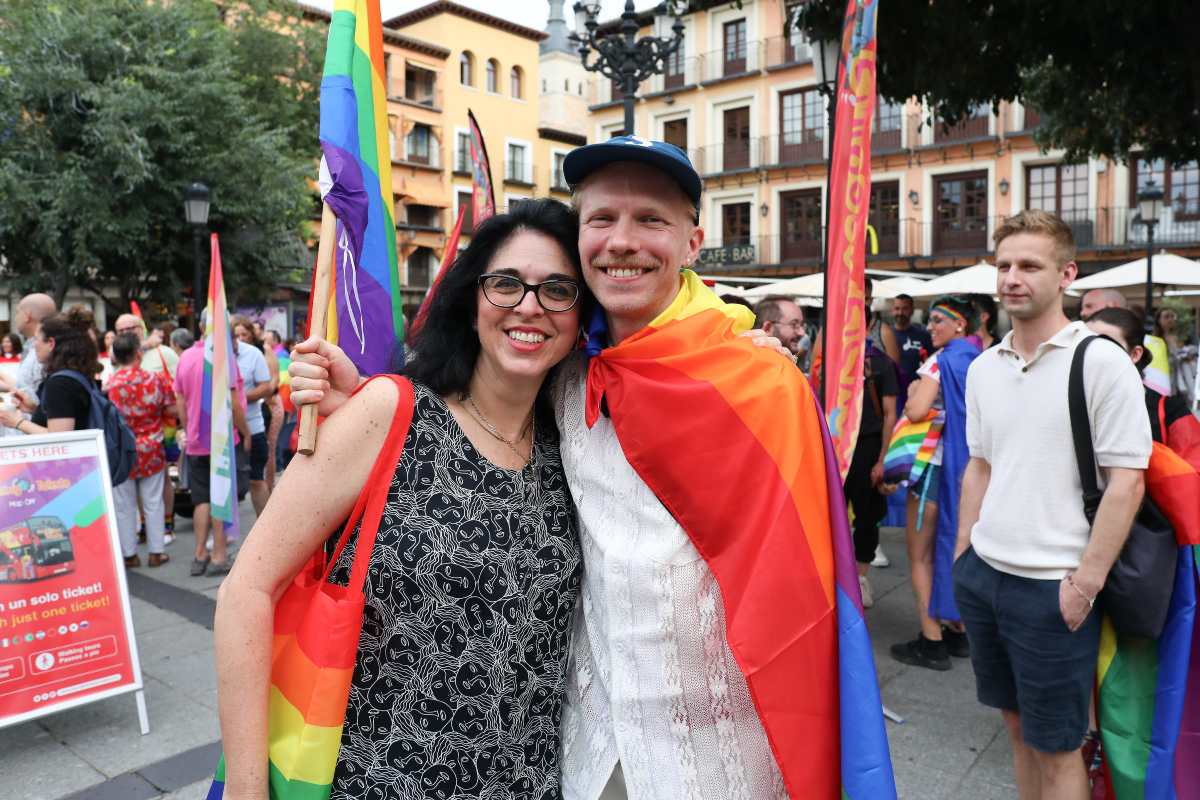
627 263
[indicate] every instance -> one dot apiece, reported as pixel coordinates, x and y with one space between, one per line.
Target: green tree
1104 75
109 108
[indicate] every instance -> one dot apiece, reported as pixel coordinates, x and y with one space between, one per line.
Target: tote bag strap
1081 429
368 508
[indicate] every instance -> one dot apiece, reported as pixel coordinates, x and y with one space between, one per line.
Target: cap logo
639 141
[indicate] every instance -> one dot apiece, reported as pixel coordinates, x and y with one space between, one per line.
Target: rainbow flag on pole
731 441
849 200
218 378
367 320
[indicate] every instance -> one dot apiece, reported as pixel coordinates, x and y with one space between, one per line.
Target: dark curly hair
444 350
74 347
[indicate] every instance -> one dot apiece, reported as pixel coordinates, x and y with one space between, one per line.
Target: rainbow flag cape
849 185
731 440
1148 696
219 363
356 182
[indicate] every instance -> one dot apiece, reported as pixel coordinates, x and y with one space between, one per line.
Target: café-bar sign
729 254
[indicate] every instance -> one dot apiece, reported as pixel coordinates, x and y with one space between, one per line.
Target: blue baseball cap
583 161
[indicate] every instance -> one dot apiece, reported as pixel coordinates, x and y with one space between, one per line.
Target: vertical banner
218 365
849 204
66 636
483 197
356 183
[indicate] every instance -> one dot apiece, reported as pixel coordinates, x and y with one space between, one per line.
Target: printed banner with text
66 636
849 201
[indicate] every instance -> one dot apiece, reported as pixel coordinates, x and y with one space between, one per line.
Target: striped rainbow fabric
1149 690
215 404
1157 374
731 440
908 452
366 318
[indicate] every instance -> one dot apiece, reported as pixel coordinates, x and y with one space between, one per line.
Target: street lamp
195 211
1150 199
829 53
623 57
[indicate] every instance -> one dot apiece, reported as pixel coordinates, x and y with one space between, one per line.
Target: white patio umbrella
889 288
979 279
803 286
1168 270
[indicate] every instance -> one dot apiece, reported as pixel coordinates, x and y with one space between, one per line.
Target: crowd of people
152 376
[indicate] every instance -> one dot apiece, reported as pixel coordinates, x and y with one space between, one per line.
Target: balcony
682 74
518 172
722 65
966 130
781 52
798 147
418 96
886 141
732 156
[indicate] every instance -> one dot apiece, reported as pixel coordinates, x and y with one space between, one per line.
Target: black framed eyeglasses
505 291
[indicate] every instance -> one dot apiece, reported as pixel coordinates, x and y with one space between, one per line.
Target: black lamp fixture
1150 201
621 56
196 203
1004 186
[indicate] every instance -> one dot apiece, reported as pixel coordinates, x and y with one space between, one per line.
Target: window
801 125
417 144
673 69
615 90
675 132
559 178
387 74
492 69
960 216
889 117
1180 185
735 224
884 216
462 158
735 47
514 83
466 68
420 267
1061 189
736 149
516 166
796 47
419 85
974 126
800 224
422 216
468 211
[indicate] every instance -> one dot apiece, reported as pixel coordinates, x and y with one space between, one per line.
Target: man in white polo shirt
1030 565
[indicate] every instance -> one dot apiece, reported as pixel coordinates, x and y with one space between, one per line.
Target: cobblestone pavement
947 747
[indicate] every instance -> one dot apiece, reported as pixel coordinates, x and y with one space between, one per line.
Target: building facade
744 101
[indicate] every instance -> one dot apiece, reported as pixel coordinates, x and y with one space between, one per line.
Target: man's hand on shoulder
761 338
322 373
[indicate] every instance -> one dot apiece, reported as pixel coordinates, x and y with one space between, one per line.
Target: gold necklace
491 429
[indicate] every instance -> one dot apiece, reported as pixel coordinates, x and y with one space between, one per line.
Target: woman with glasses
473 580
932 523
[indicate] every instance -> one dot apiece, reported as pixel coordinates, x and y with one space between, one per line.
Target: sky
530 13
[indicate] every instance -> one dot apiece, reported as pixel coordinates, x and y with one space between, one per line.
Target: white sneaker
864 586
881 559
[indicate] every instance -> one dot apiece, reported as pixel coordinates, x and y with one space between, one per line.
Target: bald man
155 357
1097 299
30 312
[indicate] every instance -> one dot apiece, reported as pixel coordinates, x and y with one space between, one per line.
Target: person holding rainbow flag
721 650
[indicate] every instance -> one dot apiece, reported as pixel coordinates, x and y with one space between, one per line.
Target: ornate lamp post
1150 200
621 56
195 211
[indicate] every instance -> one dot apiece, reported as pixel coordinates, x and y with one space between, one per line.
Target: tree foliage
1104 75
110 108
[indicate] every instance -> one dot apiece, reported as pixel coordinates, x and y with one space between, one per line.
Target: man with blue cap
712 641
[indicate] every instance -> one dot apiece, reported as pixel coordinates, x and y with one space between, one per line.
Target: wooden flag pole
318 323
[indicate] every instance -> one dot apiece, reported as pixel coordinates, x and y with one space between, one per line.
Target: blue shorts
1025 658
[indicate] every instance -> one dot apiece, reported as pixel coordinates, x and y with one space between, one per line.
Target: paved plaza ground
947 747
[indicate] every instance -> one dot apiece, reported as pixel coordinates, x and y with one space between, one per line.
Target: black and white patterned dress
459 681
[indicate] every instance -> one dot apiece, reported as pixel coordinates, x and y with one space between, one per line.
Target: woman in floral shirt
143 398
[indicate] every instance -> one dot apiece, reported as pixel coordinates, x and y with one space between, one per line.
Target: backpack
119 442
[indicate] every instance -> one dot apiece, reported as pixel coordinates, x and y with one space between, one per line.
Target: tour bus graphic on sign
39 547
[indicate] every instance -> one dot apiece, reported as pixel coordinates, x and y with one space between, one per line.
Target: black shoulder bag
1138 590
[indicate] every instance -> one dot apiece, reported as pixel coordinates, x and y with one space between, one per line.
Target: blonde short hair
1044 223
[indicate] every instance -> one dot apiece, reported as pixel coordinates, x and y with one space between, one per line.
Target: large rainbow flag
219 362
849 200
366 320
730 439
1148 697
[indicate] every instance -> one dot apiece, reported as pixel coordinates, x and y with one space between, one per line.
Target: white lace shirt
652 682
